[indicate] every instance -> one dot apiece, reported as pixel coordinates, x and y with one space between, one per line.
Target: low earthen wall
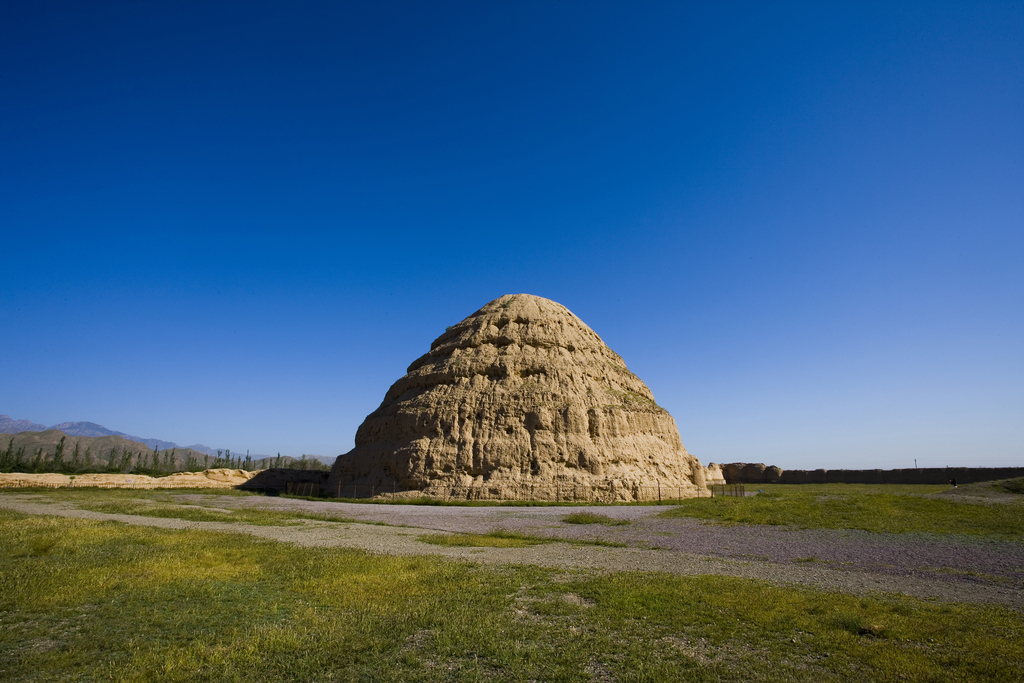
922 475
276 479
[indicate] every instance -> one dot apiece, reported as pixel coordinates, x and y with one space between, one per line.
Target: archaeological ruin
521 400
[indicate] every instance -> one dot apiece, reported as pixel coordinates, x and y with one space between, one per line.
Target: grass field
456 502
199 513
507 539
879 508
887 507
172 505
495 539
85 600
593 518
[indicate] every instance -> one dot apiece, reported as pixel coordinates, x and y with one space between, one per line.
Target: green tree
7 458
75 458
58 455
126 459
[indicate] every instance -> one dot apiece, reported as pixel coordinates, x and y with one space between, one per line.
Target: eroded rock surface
521 399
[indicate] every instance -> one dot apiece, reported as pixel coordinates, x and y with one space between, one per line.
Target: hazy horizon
799 224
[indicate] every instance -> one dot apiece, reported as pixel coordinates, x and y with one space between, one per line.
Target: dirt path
683 546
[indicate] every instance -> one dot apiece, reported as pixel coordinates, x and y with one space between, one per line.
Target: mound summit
520 400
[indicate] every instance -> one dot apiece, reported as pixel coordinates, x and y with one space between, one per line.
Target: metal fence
718 490
302 488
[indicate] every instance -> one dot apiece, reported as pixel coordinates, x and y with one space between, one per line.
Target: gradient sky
801 224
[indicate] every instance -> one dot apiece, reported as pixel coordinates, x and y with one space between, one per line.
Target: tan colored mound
209 479
522 400
713 474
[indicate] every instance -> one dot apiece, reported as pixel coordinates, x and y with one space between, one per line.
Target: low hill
9 425
76 453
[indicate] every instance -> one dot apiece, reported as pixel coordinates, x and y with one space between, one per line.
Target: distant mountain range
11 426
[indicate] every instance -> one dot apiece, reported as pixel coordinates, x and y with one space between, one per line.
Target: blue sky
802 224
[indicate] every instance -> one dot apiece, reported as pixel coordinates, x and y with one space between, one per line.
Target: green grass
1012 485
593 518
83 600
454 502
508 539
198 513
881 508
181 505
495 539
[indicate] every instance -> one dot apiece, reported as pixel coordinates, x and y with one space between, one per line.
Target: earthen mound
520 400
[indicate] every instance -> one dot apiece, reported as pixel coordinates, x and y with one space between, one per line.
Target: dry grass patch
593 518
495 539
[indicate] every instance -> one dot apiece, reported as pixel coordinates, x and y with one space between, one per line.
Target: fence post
659 492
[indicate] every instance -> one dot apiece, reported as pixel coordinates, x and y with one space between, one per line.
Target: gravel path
954 559
945 568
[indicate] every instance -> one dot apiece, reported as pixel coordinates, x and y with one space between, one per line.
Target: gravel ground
926 566
954 559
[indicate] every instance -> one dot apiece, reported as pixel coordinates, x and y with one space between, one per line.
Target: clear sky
801 224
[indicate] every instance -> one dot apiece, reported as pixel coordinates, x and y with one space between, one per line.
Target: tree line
126 461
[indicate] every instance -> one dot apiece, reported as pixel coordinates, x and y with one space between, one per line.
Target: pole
659 492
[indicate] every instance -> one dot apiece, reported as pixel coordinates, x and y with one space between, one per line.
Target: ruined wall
276 479
757 473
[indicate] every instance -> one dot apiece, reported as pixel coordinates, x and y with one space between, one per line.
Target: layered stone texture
520 400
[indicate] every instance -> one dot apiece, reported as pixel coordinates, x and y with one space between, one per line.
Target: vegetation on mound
1013 485
199 513
507 539
84 600
457 502
879 508
190 505
495 539
593 518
